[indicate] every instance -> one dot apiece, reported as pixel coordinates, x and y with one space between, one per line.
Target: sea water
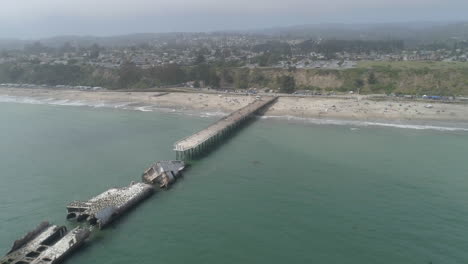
278 191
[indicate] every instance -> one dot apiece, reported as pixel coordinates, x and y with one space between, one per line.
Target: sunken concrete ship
164 173
51 243
109 205
46 244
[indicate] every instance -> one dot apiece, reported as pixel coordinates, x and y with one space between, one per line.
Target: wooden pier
198 143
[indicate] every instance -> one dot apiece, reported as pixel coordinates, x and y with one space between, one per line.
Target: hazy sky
42 18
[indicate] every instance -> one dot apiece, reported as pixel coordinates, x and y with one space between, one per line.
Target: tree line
129 76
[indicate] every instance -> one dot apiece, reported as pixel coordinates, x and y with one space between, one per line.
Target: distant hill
120 40
411 33
420 32
12 43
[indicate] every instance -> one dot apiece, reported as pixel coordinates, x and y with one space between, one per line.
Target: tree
372 79
257 78
202 72
15 73
241 80
214 80
168 74
226 76
287 84
129 74
200 59
359 84
94 51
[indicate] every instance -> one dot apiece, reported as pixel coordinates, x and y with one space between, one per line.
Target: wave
152 108
368 123
54 101
104 104
144 109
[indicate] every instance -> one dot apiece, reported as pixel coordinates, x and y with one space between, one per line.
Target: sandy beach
360 108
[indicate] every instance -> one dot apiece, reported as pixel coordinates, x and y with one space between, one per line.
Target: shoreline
354 110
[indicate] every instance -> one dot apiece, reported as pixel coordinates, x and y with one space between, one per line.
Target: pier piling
199 143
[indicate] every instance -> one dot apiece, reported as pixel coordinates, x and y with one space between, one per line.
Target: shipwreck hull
46 244
110 205
163 173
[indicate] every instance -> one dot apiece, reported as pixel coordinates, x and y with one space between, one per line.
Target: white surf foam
104 104
151 108
367 123
144 109
54 101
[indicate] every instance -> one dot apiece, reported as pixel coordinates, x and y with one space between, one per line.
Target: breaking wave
104 104
53 101
356 123
152 108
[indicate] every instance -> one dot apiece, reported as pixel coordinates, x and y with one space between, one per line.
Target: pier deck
190 146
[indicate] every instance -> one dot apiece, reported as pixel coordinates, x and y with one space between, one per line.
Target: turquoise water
277 192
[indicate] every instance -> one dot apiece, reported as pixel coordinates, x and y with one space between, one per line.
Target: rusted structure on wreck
193 146
109 205
45 244
164 172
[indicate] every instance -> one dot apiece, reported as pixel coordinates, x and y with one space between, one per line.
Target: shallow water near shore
419 124
278 191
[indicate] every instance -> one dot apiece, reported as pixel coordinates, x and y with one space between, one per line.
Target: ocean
295 191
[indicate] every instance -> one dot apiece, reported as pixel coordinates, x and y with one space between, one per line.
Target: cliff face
431 78
324 81
404 80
